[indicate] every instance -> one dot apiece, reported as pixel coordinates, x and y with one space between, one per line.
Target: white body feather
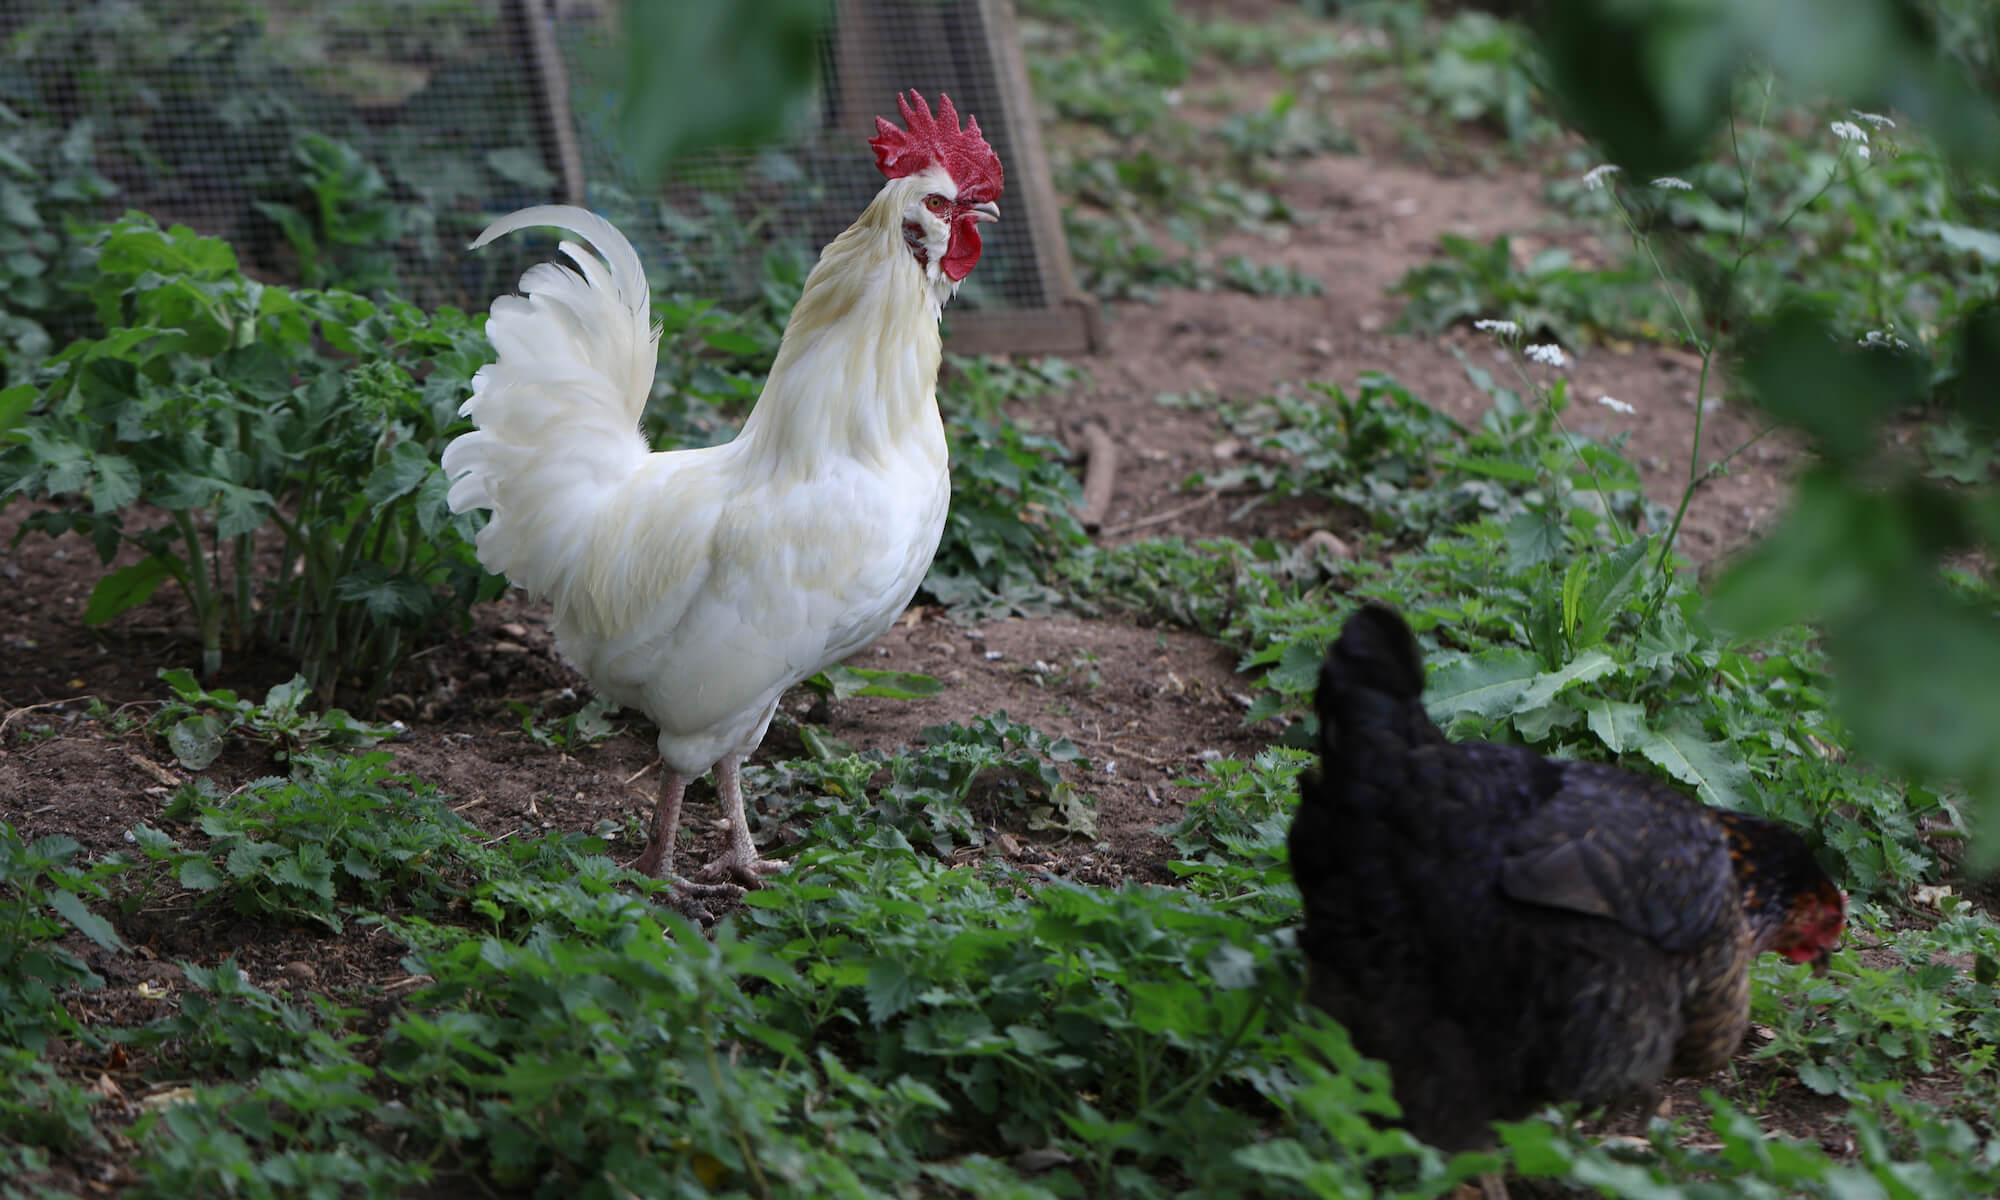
698 585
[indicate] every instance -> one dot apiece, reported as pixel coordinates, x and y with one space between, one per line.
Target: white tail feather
558 411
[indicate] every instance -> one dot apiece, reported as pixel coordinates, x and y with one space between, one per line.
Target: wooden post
535 41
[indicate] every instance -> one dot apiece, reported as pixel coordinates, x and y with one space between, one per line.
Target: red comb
963 153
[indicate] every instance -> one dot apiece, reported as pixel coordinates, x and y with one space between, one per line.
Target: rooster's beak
988 211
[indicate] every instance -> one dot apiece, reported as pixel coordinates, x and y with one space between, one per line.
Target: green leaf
823 747
257 370
1538 724
399 474
1683 749
1591 664
197 741
1573 581
246 859
199 875
1614 580
125 588
1488 686
388 598
283 701
1159 1007
114 483
432 505
1533 538
890 685
1616 723
891 989
306 871
89 924
1507 470
239 510
357 865
14 405
183 682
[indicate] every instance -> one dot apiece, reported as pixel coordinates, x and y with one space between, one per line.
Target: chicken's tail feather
558 410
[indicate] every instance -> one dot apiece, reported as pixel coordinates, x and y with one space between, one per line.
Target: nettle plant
271 452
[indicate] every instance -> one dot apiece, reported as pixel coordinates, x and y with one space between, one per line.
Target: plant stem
1207 1074
206 616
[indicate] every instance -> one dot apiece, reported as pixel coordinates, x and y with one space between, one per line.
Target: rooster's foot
746 869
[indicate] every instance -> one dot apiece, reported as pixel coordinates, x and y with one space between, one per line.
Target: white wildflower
1882 339
1848 131
1596 177
1499 329
1616 405
1875 119
1673 183
1548 354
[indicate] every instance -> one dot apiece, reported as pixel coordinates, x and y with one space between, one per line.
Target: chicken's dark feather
1502 929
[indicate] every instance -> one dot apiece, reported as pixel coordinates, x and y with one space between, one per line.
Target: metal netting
366 143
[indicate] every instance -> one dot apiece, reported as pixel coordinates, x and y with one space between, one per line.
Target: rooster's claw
748 870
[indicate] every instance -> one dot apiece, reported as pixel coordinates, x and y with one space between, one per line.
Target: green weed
345 832
254 417
44 893
197 722
963 782
1547 297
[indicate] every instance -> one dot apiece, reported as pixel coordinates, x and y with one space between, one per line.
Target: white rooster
698 585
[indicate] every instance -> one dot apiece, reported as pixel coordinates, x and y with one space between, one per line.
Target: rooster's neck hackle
856 373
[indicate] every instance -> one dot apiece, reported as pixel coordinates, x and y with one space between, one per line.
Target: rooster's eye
936 203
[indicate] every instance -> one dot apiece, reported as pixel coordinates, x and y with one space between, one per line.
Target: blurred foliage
698 76
46 174
1653 83
1650 81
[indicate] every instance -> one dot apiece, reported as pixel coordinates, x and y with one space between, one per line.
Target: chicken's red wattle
963 252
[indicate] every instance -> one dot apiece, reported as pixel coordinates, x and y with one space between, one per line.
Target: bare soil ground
1158 703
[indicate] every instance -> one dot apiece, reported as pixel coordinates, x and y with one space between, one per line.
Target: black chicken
1506 930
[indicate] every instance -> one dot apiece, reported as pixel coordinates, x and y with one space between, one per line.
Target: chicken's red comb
963 153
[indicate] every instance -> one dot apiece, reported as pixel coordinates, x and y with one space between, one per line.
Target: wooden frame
528 21
968 47
1066 322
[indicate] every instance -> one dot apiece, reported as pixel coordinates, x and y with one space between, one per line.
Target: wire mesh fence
365 143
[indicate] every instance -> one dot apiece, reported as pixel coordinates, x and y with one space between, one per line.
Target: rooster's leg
740 862
658 857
